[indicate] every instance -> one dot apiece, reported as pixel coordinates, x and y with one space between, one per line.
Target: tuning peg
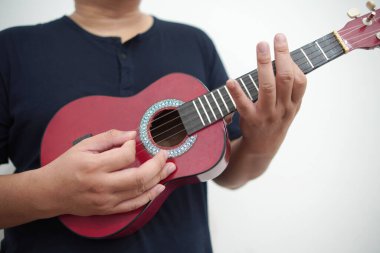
371 5
378 35
353 13
369 20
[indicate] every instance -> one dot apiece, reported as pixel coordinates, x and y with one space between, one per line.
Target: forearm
243 166
23 198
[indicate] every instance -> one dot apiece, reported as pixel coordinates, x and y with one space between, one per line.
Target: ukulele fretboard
215 105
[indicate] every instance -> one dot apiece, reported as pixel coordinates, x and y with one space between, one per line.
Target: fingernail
280 37
165 153
160 188
130 134
170 168
262 47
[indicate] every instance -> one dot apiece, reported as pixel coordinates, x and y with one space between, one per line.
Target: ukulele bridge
161 127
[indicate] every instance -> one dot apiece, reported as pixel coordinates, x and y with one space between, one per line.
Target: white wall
321 192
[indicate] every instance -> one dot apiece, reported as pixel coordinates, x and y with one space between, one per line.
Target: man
110 47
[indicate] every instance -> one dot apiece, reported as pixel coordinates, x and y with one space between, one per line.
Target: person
110 47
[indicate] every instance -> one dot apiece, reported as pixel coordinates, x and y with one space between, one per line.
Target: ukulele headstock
363 31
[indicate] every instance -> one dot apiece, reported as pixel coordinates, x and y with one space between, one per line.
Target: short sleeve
217 77
4 109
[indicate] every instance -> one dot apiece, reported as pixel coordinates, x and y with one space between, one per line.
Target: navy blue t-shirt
46 66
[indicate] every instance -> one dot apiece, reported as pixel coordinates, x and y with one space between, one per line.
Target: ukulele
186 120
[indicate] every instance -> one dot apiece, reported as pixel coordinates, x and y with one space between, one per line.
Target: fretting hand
264 124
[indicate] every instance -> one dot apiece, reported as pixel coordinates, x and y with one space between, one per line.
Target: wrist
257 148
44 193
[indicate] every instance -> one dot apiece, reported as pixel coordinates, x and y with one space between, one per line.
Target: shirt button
123 56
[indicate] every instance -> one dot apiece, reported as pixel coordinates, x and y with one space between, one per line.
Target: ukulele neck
215 105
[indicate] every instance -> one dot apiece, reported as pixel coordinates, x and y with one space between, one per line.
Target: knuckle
285 76
112 132
281 48
301 79
99 188
90 165
271 118
264 59
140 184
100 203
267 87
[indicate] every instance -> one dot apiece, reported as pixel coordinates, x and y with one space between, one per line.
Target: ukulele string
354 28
372 32
226 96
171 112
140 144
351 29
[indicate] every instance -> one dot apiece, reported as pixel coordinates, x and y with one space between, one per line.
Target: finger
299 86
136 179
141 200
284 70
244 106
124 191
107 140
119 158
267 86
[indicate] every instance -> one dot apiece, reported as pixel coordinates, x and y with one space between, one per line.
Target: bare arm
264 124
89 179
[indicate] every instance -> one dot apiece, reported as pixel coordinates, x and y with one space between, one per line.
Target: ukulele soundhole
161 128
167 129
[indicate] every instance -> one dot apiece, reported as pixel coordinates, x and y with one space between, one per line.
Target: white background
321 192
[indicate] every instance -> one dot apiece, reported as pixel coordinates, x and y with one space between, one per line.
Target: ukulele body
202 158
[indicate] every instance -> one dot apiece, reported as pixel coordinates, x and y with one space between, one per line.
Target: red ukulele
186 120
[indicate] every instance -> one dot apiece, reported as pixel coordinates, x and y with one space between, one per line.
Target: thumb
107 140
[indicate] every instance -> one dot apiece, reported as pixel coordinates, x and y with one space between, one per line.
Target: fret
199 114
229 94
253 81
314 54
307 58
251 85
210 106
245 87
323 52
200 101
217 104
331 46
224 102
300 59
